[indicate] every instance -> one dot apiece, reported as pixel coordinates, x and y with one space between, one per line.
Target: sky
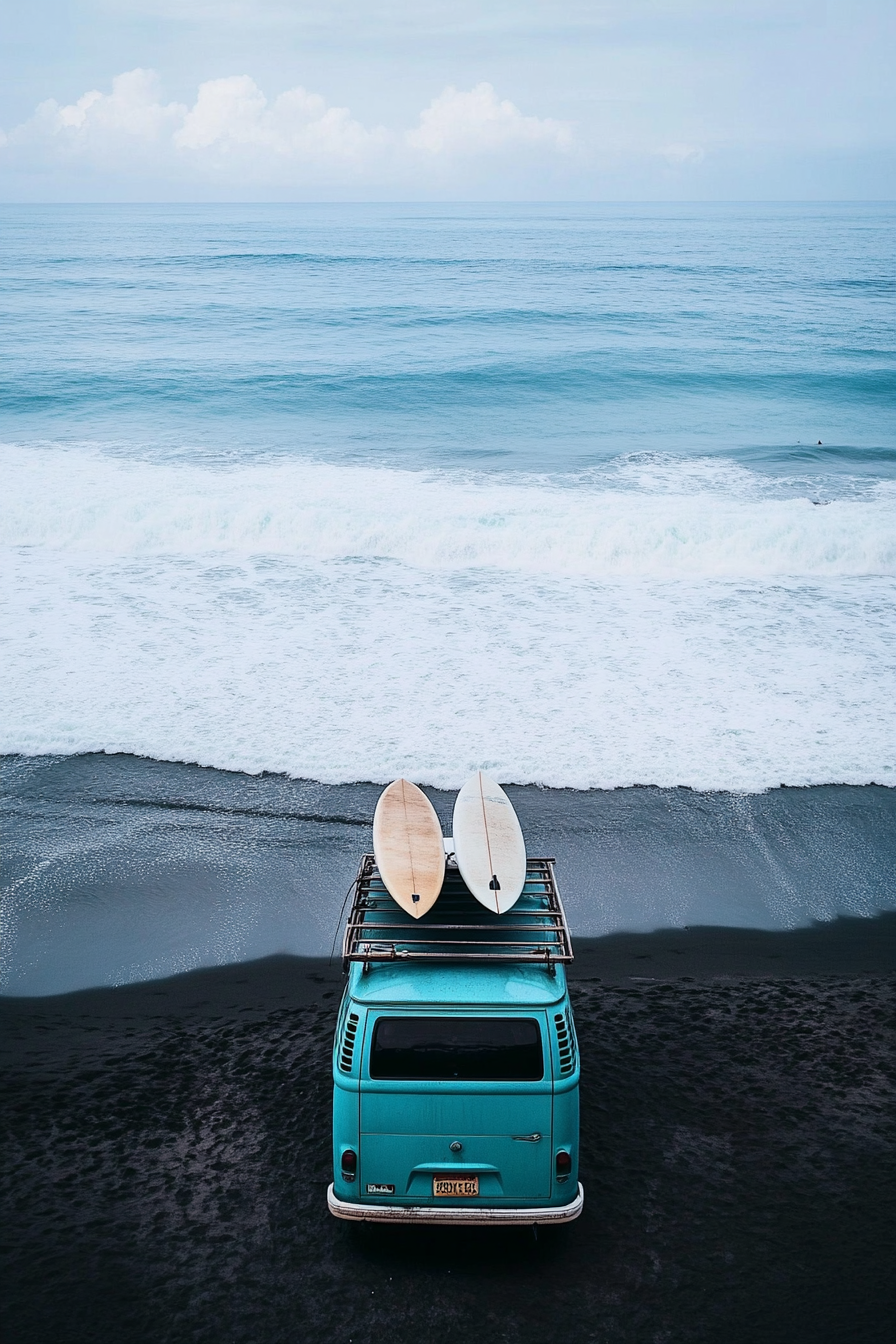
167 100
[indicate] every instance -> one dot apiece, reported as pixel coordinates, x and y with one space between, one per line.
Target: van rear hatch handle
527 1138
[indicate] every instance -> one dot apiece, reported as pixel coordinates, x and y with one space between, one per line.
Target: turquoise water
586 495
535 338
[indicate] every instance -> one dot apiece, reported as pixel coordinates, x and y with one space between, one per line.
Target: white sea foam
349 623
720 520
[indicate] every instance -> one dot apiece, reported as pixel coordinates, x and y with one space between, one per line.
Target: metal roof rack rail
458 928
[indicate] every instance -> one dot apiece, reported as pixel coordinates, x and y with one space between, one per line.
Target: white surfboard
488 844
408 847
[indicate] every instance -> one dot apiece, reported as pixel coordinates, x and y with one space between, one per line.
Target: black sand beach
167 1153
119 869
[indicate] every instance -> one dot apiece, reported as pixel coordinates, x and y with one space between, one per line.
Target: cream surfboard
488 844
408 847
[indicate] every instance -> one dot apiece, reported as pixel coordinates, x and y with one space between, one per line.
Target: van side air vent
566 1045
348 1043
572 1036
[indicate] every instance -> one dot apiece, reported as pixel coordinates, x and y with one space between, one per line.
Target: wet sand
167 1155
118 869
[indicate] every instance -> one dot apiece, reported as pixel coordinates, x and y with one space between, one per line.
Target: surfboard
488 844
408 847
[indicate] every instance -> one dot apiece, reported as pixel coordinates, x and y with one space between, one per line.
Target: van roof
508 985
457 928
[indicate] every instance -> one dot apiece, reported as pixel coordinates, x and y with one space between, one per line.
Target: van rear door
461 1096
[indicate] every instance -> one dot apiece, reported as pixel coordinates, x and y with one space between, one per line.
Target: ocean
297 499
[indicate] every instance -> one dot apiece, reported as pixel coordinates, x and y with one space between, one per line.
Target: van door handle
526 1138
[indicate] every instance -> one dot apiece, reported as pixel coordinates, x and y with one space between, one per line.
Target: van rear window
466 1049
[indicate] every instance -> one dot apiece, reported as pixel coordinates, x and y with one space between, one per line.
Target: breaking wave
641 517
656 622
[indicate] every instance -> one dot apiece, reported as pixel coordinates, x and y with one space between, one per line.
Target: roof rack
457 927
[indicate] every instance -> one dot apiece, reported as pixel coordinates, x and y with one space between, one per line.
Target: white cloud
98 122
782 97
478 121
232 132
232 113
678 155
227 111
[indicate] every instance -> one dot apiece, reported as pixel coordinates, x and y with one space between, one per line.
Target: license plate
455 1189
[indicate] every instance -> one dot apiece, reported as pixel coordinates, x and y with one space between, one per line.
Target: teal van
455 1063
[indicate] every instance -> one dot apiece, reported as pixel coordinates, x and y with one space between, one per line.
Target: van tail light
564 1165
349 1164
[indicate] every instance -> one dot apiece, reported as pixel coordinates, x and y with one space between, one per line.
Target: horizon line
613 200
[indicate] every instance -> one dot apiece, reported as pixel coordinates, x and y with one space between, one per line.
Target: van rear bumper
427 1213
